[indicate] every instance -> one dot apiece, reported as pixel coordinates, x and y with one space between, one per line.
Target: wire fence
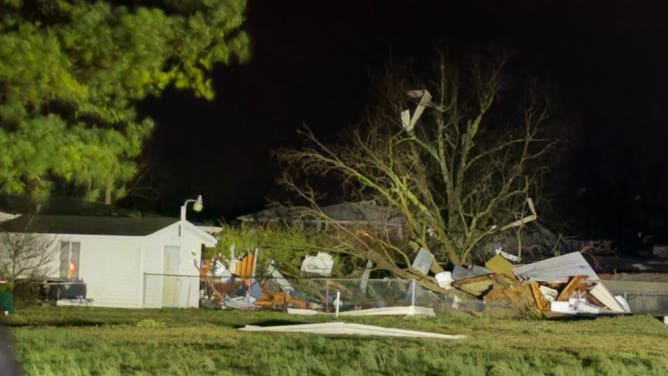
320 294
328 294
348 294
649 297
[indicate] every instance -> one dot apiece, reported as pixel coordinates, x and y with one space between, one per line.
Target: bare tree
460 167
25 255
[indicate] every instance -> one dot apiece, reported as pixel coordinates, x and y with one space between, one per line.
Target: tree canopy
462 165
73 71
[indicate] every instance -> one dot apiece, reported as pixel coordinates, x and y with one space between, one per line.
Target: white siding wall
114 267
188 287
110 266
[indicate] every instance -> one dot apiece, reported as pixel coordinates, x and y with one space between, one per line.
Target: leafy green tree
285 245
73 71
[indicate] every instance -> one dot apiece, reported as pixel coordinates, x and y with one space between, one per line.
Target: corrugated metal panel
557 268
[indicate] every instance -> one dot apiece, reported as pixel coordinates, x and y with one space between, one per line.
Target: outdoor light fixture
198 205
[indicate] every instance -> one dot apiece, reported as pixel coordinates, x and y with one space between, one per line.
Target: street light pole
197 206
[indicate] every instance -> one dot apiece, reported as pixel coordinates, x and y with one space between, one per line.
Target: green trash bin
6 301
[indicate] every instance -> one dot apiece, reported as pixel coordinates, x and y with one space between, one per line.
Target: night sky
313 62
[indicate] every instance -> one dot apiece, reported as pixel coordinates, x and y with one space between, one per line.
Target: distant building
351 214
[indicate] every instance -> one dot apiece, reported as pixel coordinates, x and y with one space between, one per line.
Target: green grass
97 341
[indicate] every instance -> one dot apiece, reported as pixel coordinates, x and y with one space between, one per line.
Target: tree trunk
107 193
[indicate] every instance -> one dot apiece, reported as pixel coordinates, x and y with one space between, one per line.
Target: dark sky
312 63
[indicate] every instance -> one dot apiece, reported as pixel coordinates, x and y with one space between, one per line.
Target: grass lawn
100 341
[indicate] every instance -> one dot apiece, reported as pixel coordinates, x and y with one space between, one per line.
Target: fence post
337 302
412 292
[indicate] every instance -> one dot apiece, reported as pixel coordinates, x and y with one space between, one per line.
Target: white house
129 262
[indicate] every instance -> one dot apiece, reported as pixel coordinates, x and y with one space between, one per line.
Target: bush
286 245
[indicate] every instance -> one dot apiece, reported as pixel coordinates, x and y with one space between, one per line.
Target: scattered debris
603 296
342 328
480 285
507 255
392 311
423 260
282 282
559 285
281 301
522 221
240 302
444 280
320 264
559 268
556 286
460 272
383 311
500 265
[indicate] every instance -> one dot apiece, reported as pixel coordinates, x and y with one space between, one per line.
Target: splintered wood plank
541 302
570 287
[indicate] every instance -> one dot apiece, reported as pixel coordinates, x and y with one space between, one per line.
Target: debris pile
240 283
557 286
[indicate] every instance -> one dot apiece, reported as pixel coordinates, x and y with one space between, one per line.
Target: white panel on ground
341 328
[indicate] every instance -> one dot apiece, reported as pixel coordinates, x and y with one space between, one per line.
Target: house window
69 260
